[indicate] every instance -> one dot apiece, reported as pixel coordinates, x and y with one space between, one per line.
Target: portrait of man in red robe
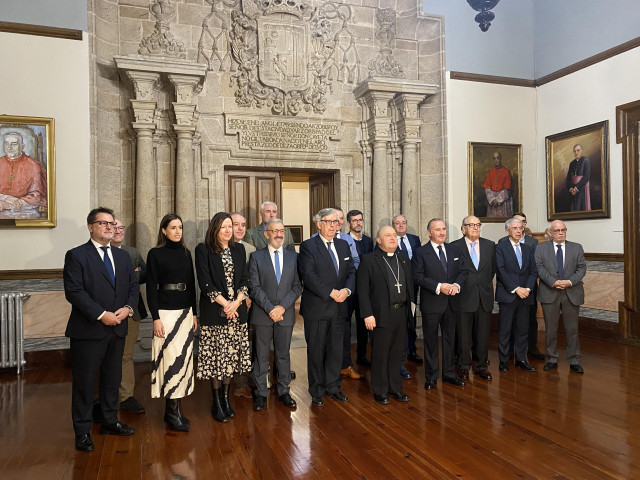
498 189
23 181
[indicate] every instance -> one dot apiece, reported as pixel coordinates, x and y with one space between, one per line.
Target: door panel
246 190
321 195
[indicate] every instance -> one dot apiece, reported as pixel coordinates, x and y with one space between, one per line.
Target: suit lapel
95 257
325 252
383 266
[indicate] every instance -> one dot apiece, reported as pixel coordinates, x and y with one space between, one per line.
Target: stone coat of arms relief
285 53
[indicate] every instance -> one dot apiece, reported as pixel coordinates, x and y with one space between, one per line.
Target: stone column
144 109
186 88
408 128
376 102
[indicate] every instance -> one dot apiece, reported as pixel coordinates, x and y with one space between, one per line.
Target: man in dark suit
386 294
561 267
101 286
364 245
326 269
408 243
439 270
274 287
476 298
127 401
255 236
516 277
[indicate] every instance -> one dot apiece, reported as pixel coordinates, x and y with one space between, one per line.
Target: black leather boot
216 408
172 416
184 419
224 399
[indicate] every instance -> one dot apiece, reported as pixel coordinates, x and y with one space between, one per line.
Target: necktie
333 257
405 247
519 255
276 259
443 259
474 257
108 265
560 263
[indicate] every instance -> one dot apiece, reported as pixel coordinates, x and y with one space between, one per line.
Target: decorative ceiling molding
41 30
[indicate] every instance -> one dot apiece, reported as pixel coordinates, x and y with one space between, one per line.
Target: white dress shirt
273 257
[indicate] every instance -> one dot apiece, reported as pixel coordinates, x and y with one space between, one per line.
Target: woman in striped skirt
171 295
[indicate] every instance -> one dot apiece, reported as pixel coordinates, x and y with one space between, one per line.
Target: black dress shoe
317 401
259 403
550 366
131 405
503 367
117 428
339 396
404 373
576 368
84 443
430 385
381 399
415 358
287 401
535 353
399 396
364 362
522 364
293 374
453 381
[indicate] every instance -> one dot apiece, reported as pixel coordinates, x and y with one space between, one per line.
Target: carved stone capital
407 104
187 87
186 115
145 113
408 130
145 84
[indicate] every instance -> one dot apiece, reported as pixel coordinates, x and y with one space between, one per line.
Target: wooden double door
246 190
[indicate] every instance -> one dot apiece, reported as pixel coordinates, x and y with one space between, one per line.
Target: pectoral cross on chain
398 284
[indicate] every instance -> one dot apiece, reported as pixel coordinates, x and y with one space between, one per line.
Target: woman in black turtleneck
171 295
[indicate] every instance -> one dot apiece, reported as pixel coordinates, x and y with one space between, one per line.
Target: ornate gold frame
480 155
42 151
559 152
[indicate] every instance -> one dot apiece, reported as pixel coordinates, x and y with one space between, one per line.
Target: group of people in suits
257 279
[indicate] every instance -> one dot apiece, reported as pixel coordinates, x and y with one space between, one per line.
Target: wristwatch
130 311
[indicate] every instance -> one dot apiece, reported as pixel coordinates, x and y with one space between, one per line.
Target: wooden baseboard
30 274
41 30
604 257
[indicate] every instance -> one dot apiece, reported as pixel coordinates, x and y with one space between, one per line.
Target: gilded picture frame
495 190
27 172
589 199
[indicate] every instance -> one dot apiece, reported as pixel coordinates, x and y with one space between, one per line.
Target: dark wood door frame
627 133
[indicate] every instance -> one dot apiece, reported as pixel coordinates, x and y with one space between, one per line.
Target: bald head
387 239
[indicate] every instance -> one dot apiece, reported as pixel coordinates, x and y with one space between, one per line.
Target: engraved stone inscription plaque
271 134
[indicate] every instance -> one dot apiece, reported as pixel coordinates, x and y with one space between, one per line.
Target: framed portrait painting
495 180
578 173
27 172
296 233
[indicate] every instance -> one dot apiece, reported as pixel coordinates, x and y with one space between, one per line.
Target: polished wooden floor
547 425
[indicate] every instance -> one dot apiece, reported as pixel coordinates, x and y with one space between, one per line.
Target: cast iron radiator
11 337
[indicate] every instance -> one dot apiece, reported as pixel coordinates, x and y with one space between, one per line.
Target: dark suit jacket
428 273
255 236
414 243
373 286
266 293
318 274
575 268
478 289
510 275
364 246
211 278
140 310
88 288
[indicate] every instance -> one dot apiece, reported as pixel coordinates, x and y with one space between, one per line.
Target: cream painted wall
295 205
482 112
50 78
589 96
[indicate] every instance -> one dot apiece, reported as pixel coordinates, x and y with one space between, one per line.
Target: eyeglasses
559 230
276 231
517 229
330 222
103 223
119 229
472 225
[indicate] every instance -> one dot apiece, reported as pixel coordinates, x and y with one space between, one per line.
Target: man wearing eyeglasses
561 268
275 287
326 269
101 285
476 299
516 275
